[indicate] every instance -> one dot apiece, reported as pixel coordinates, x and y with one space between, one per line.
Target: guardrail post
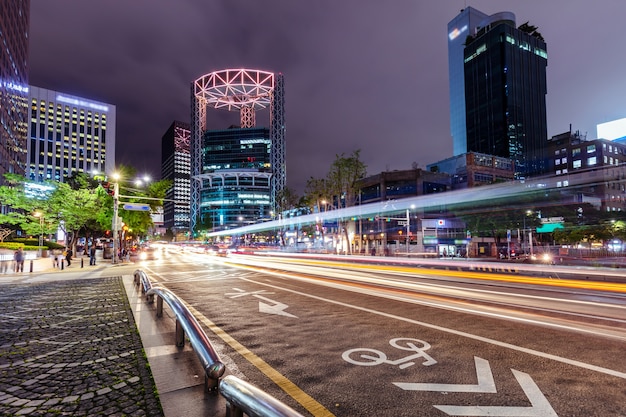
31 265
159 308
232 410
180 334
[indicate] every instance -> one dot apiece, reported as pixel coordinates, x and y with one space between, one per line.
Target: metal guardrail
242 397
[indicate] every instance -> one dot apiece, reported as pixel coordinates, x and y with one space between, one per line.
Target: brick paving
71 348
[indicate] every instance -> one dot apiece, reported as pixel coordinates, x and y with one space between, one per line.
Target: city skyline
358 75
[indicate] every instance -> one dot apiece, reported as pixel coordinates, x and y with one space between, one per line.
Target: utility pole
116 202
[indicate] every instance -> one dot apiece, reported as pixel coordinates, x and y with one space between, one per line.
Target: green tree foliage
341 180
60 206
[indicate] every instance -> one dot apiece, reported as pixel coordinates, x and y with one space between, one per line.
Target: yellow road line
283 382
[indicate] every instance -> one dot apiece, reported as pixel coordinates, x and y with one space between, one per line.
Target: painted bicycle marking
373 357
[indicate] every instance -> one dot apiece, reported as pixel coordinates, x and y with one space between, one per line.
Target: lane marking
308 402
483 374
494 342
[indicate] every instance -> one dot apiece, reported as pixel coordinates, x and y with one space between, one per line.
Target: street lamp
408 230
114 228
41 216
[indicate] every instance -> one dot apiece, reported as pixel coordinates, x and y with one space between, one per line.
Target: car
148 254
212 250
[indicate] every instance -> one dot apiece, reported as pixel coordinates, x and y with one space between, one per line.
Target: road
336 338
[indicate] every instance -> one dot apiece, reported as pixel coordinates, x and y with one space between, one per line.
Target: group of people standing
18 261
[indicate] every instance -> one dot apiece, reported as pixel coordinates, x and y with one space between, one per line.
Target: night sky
359 74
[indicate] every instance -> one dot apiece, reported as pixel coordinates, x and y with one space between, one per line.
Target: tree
58 204
343 176
316 191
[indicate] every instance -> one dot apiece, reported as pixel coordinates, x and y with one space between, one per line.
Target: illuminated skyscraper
237 174
14 21
464 24
68 134
176 167
505 93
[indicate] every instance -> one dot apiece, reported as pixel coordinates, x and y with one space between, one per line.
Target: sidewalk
83 342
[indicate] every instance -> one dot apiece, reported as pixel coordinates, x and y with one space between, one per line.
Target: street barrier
242 397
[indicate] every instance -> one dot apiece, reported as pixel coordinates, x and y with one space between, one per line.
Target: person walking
68 256
18 257
5 256
92 255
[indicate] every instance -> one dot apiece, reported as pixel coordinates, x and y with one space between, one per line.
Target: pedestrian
68 256
92 255
54 254
373 251
60 256
18 257
5 255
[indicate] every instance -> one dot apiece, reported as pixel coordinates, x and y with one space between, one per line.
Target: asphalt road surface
335 338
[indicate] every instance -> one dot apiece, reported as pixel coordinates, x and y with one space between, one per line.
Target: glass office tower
236 172
14 21
176 167
464 24
505 93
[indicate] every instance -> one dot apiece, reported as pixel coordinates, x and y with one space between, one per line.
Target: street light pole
408 232
114 227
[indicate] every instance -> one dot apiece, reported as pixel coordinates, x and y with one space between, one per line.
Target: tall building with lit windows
176 167
459 28
68 134
505 93
14 24
236 165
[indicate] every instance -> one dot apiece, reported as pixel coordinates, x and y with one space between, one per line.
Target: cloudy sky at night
359 74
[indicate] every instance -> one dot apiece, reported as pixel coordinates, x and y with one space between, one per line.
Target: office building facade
592 171
236 189
505 93
14 25
464 24
176 167
227 186
68 134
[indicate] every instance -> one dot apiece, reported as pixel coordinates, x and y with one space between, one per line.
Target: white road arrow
275 308
540 407
483 374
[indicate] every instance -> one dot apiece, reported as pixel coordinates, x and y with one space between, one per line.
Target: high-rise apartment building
14 24
505 93
459 28
68 134
176 167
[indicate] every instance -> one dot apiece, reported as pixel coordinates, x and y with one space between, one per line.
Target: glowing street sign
136 207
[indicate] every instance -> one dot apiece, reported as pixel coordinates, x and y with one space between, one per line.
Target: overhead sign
136 207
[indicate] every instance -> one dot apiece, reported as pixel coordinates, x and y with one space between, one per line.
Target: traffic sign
136 207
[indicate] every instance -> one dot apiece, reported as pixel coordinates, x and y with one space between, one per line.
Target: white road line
452 331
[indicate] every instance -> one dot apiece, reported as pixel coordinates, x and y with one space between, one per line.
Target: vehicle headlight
143 256
546 257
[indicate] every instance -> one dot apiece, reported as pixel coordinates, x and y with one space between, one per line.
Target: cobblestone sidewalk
71 348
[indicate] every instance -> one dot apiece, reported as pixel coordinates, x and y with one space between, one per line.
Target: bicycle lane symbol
373 357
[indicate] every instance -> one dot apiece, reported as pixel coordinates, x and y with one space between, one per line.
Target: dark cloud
359 74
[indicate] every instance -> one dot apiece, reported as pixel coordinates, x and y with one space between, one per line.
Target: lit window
576 164
591 148
591 161
576 152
